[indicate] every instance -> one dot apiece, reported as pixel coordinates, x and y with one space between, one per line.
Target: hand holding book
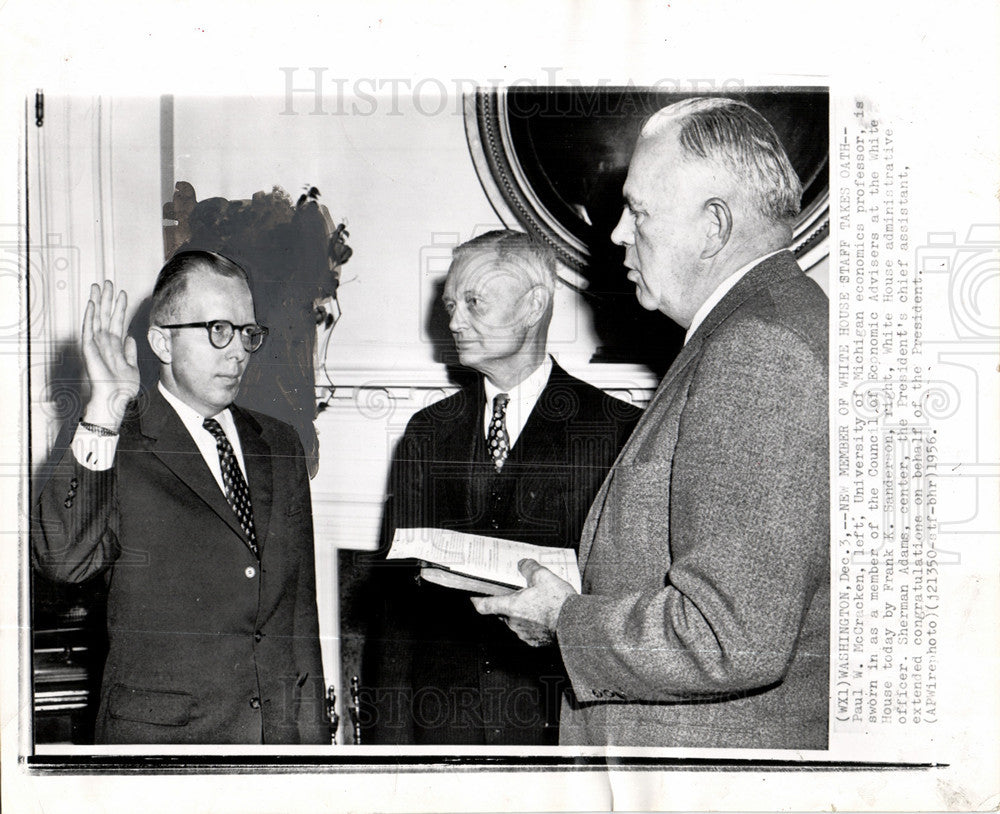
528 584
531 613
471 562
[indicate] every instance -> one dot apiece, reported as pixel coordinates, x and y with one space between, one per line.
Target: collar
523 398
529 389
724 288
194 421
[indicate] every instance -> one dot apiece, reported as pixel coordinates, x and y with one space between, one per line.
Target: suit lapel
777 267
537 442
648 423
593 518
773 269
173 445
537 439
260 474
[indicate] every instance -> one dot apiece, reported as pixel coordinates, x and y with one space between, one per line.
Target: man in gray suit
704 618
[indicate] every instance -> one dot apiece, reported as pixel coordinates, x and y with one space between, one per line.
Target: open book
471 562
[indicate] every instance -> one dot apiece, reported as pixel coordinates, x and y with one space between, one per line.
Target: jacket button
250 572
255 703
73 483
257 636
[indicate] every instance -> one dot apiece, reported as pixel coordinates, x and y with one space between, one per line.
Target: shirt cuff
93 451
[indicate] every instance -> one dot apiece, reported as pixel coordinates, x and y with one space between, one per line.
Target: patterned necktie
237 492
497 440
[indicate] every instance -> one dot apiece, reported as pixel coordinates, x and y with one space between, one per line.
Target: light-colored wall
404 184
94 213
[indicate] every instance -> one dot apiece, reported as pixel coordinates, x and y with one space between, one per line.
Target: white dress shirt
523 398
97 452
724 288
193 421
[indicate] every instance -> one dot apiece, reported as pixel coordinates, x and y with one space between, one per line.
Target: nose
621 235
235 349
457 321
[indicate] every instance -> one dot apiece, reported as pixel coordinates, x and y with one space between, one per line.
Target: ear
720 227
537 299
159 341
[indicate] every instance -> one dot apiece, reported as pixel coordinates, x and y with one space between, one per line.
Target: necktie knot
215 428
234 484
497 439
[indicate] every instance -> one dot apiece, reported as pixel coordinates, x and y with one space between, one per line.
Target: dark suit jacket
705 614
435 671
206 644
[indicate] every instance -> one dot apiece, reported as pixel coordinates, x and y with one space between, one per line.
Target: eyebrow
465 292
631 201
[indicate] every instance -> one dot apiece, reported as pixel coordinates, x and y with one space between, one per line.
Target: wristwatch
97 428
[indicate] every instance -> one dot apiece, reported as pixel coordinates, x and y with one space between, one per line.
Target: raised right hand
109 355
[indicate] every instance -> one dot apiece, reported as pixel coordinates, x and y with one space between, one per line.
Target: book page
489 558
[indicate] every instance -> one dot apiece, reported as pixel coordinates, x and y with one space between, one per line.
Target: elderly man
198 515
519 454
705 607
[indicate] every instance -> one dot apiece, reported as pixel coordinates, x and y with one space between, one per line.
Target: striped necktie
237 491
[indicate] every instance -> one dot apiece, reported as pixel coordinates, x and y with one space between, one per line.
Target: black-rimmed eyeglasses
222 331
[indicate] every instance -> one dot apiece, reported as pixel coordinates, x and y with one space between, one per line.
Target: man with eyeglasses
197 514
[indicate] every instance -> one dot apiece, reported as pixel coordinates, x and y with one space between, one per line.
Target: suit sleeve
748 494
74 523
313 729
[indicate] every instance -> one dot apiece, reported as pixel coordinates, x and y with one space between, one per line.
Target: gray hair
532 258
737 136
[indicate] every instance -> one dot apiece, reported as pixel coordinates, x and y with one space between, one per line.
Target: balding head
709 189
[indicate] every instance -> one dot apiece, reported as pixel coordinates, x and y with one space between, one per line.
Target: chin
226 397
468 359
646 300
216 409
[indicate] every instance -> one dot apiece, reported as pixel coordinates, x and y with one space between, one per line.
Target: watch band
97 429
